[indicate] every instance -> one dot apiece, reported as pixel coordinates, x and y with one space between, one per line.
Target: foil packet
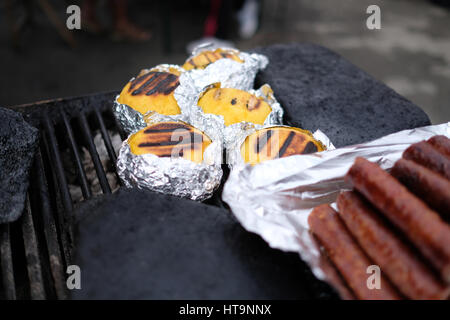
233 152
230 73
175 176
275 198
131 120
192 112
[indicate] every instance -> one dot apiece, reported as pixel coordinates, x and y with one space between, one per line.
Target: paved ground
411 52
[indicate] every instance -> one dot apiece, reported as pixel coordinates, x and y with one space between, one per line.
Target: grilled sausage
346 255
442 144
396 259
425 184
425 154
421 225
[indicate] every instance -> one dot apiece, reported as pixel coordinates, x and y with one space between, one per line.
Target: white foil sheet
274 198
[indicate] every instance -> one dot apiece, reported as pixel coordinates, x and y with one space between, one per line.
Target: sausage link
395 258
346 255
432 188
425 154
420 224
441 143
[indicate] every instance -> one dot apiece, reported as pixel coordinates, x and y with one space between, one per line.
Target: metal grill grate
36 249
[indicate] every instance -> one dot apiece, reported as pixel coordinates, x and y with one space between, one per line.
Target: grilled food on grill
204 58
234 105
152 90
170 139
278 142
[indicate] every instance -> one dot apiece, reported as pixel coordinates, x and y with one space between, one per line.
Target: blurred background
41 59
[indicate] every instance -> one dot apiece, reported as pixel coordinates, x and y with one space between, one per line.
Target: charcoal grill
36 249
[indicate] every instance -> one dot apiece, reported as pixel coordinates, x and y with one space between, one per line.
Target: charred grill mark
156 82
140 79
262 141
286 144
153 80
310 148
168 90
216 56
192 63
169 155
207 58
166 127
161 83
253 103
166 143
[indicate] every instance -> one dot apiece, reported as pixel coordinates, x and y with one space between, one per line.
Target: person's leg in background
123 27
248 18
89 19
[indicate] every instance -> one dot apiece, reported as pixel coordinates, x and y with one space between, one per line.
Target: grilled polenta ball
170 139
204 58
234 105
278 142
152 90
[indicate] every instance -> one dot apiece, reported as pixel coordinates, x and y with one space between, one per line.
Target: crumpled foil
233 152
131 120
274 198
176 176
193 113
230 73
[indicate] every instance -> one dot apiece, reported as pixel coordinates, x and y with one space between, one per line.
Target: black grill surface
36 249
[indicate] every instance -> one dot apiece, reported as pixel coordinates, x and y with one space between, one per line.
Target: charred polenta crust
203 59
278 142
152 90
167 139
234 105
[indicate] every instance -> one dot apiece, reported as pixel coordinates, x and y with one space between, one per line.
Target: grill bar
106 138
37 291
59 217
51 237
81 174
108 143
57 162
35 250
94 154
9 286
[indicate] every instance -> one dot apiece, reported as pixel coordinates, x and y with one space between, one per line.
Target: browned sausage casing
346 255
424 183
421 225
395 259
425 154
442 144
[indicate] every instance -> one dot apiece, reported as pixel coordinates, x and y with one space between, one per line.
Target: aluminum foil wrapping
274 198
233 153
230 73
131 120
193 113
176 176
